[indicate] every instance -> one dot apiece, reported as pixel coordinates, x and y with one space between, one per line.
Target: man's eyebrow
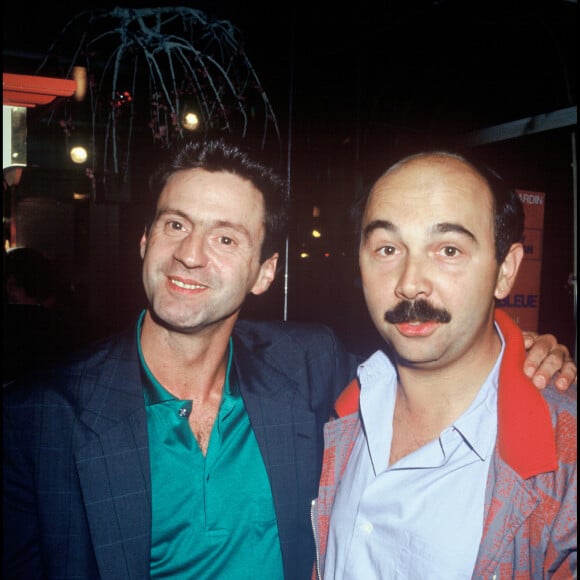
440 228
379 225
163 211
238 227
446 227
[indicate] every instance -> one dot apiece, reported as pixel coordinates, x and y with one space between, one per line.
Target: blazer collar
112 383
261 367
526 438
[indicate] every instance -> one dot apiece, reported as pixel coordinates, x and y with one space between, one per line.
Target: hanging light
190 121
79 154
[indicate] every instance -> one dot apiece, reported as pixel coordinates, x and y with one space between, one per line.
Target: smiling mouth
185 286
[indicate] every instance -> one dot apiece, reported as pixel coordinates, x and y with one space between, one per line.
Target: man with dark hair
190 446
446 462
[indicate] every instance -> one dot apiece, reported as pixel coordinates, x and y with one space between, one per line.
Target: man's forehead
205 176
429 165
213 200
424 176
199 184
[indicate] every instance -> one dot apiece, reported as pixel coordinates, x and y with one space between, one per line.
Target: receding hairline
440 158
430 155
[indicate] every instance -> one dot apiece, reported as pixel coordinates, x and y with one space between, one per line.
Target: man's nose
191 250
414 280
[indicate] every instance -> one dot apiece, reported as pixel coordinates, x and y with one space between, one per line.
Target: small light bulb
78 154
190 121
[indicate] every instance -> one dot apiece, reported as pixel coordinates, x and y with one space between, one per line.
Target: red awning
29 91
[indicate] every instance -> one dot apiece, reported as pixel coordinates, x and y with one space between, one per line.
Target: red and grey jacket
530 503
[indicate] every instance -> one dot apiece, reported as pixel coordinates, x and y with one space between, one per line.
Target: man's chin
416 356
174 321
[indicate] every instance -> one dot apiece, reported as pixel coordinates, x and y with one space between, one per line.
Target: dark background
353 87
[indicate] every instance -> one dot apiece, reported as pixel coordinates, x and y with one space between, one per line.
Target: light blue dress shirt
422 517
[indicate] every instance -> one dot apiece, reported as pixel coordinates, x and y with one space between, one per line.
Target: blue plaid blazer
76 481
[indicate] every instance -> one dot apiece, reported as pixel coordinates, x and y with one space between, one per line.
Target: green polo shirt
213 516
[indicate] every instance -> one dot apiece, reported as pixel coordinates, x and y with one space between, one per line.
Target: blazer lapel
285 429
113 467
278 419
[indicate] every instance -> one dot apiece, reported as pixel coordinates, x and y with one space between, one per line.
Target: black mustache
416 311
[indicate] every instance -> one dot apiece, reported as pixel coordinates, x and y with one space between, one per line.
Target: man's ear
143 243
508 271
266 275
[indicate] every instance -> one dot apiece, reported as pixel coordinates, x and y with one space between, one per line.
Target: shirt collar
477 425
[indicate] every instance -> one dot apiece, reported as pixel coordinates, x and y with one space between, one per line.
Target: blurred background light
190 121
79 154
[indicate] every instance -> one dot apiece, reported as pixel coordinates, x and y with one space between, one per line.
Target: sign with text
523 303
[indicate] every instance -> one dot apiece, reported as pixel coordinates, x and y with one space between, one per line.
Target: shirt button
366 528
183 412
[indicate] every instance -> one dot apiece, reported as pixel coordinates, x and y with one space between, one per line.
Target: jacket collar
526 439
